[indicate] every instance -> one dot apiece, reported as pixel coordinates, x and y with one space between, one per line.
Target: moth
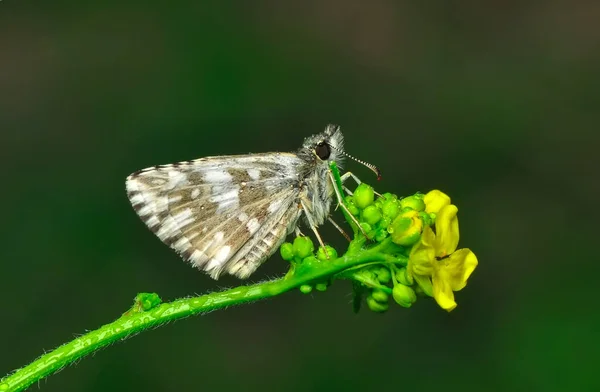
228 214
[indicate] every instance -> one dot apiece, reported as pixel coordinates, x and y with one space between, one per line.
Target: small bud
380 296
406 228
427 219
403 277
371 215
352 206
383 275
366 227
330 251
375 306
363 196
303 247
404 295
366 274
380 235
310 261
306 288
389 196
287 251
414 202
384 222
321 286
390 209
147 301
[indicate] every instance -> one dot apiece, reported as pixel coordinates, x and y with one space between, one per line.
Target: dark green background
496 103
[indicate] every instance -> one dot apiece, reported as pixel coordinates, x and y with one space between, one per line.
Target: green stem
338 184
135 322
371 283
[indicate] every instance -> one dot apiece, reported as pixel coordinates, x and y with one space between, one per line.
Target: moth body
228 214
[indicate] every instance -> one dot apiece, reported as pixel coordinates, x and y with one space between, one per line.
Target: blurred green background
496 103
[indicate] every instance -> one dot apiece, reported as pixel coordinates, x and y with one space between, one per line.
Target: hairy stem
134 322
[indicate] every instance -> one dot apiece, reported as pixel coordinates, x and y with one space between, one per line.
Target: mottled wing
223 214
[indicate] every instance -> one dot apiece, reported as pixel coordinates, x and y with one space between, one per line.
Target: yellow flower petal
424 281
427 237
446 229
422 269
442 292
457 268
421 260
435 200
422 255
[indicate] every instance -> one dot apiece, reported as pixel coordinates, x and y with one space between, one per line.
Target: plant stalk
134 322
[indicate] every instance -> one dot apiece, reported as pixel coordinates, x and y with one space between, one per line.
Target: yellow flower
434 262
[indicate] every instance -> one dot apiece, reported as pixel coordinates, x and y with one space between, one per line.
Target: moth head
326 146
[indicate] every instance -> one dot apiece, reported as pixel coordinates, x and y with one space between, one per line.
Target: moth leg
344 177
298 232
347 175
338 227
313 227
340 200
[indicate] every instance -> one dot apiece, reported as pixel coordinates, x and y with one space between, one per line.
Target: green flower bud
366 227
384 222
406 228
147 301
377 306
383 275
321 286
414 202
404 295
330 251
366 274
390 208
303 247
287 251
363 196
306 288
409 240
371 215
389 196
380 296
427 219
349 202
403 277
310 261
380 235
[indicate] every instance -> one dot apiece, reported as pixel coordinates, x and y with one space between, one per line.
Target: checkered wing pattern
224 214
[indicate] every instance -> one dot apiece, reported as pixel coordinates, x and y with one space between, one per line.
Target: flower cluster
434 263
416 238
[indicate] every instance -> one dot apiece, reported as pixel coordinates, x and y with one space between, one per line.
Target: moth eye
323 150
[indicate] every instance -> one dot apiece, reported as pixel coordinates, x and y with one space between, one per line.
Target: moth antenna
373 168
